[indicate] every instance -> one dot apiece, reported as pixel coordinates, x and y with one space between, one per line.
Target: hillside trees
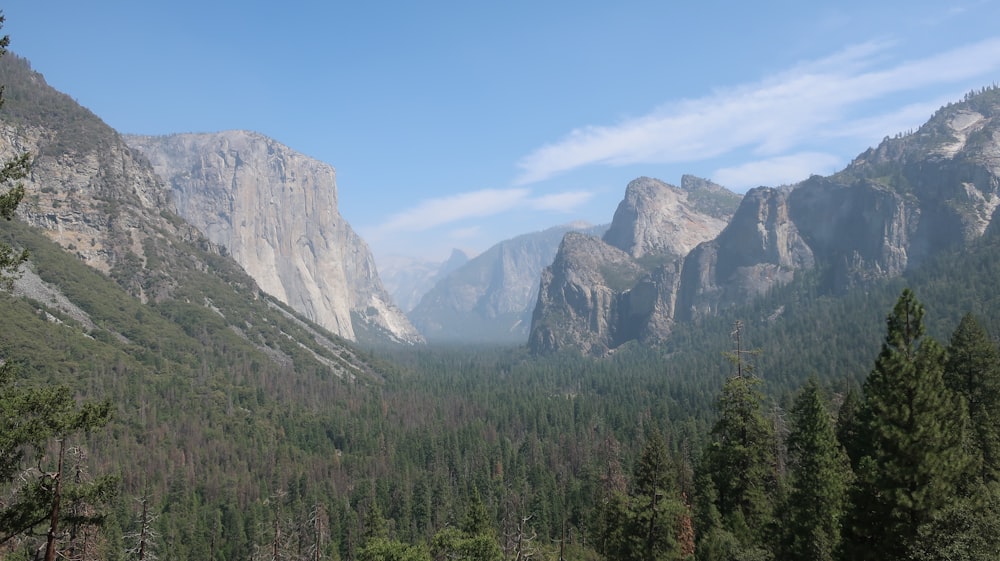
913 455
739 483
35 423
819 474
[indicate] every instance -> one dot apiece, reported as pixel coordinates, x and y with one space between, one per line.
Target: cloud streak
775 171
768 117
432 213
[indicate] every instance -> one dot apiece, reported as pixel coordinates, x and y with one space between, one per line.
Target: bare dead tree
145 537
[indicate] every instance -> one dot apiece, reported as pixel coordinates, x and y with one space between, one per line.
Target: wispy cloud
768 118
435 212
780 170
561 202
432 213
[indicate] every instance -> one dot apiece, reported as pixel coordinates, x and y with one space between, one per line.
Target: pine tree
820 476
741 460
973 371
649 517
913 461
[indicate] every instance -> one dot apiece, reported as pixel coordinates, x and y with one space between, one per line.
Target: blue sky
460 124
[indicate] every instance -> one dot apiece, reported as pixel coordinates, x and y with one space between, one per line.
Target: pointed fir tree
848 425
913 461
819 476
650 515
740 460
973 371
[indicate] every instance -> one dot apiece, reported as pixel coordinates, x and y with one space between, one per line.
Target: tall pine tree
912 433
820 476
648 519
973 371
740 462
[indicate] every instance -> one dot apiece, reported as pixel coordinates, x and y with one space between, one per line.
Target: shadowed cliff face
893 207
275 211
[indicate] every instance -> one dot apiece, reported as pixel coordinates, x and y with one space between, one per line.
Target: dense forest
801 426
774 445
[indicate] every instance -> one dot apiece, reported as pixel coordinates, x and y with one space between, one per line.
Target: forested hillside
236 457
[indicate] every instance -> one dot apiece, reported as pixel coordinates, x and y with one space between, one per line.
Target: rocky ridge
894 206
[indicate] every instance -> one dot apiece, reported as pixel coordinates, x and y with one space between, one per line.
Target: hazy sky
460 124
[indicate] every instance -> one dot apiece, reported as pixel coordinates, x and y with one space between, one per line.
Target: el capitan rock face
891 208
275 211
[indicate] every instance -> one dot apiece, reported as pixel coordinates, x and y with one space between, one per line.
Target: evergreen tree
848 425
973 371
914 460
646 523
475 541
655 505
741 460
820 476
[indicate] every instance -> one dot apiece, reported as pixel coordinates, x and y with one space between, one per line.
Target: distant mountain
891 209
407 279
490 298
275 211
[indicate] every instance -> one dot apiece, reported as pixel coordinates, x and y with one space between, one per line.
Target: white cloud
781 170
561 202
768 117
475 204
444 210
465 233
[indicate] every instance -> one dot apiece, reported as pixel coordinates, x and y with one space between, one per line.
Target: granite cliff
275 211
601 292
894 206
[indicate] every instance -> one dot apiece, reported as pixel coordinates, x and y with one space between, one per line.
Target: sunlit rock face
275 211
915 195
602 292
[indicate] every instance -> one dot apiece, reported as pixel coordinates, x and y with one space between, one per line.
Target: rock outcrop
90 192
275 211
656 219
600 293
894 206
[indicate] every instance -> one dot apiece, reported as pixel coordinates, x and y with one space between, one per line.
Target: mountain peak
656 218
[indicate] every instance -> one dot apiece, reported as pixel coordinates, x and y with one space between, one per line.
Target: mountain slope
408 279
275 211
490 298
